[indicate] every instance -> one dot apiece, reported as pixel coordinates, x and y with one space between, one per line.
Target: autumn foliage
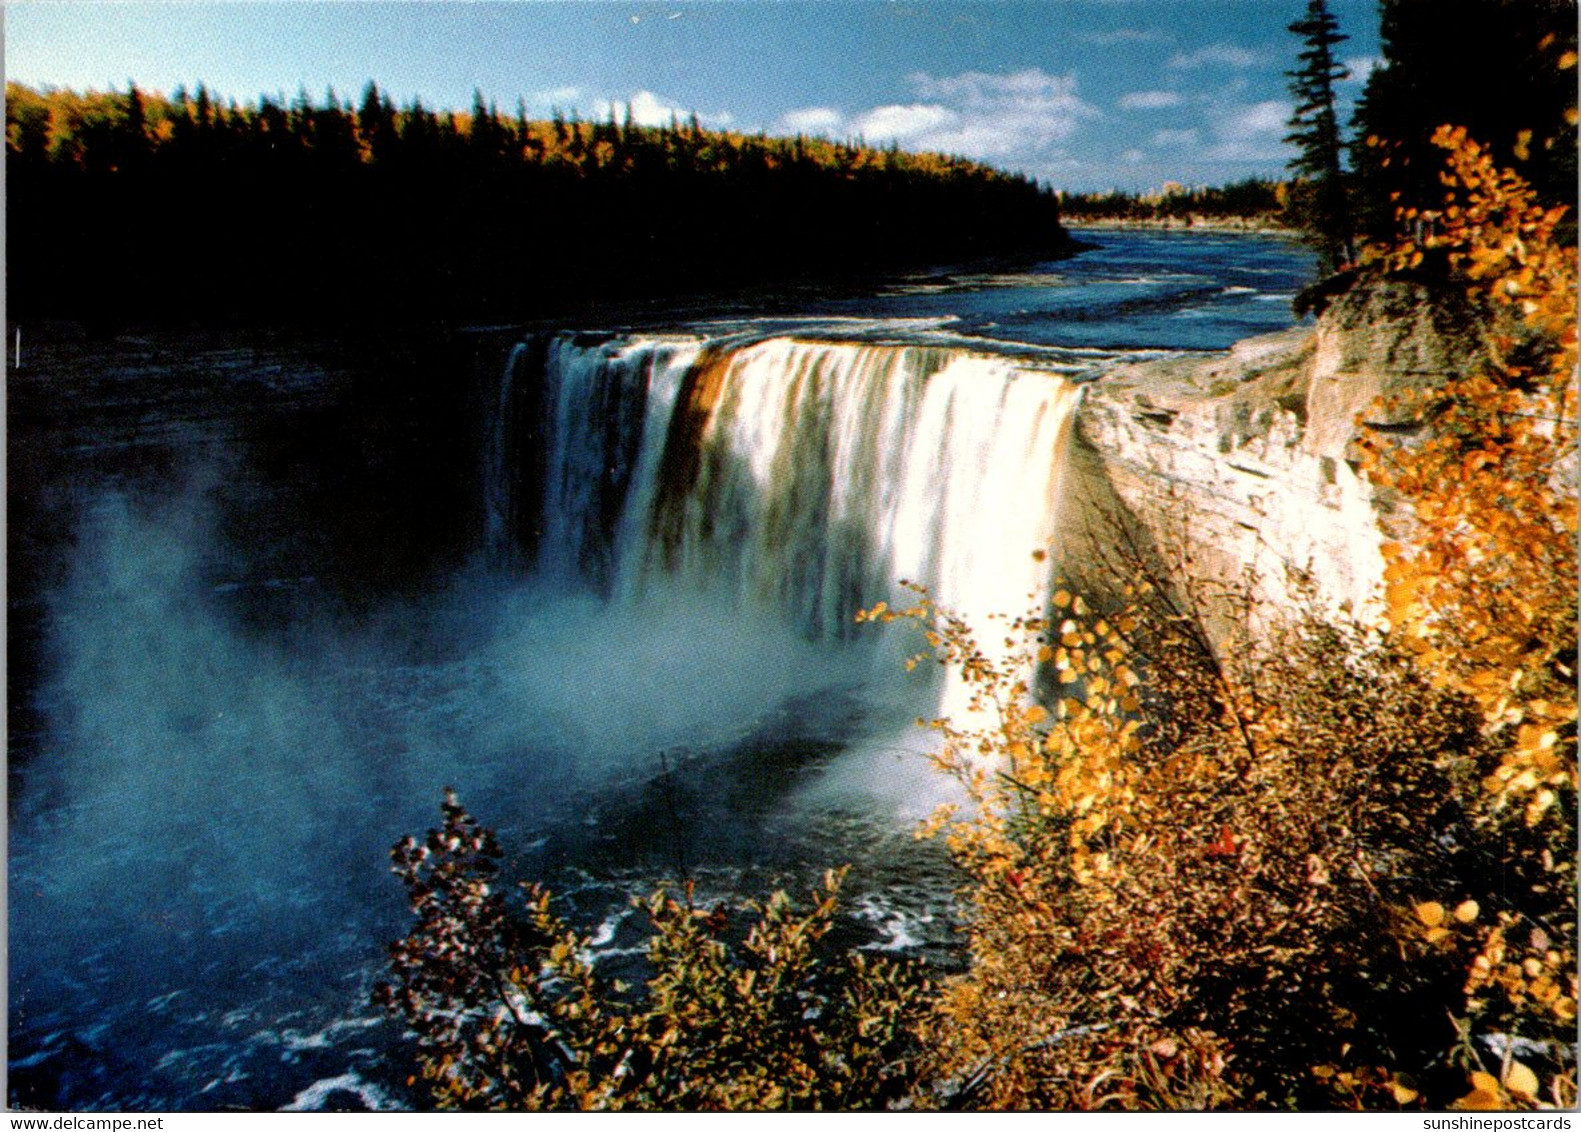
509 1013
1482 591
1327 865
1323 863
312 209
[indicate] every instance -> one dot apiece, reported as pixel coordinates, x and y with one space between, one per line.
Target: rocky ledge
1245 464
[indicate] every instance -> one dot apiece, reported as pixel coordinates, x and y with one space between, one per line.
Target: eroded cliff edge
1247 461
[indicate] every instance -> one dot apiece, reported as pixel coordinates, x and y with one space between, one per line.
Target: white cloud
1360 68
897 123
1175 139
1020 118
648 109
1123 35
1215 55
1149 100
997 116
1253 132
558 97
811 120
1260 118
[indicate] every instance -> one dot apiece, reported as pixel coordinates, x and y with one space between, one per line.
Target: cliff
1220 464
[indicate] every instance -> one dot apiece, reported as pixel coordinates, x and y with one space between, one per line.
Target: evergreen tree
1322 195
1503 69
376 123
333 178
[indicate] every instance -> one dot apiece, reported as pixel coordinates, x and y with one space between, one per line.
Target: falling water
229 707
804 478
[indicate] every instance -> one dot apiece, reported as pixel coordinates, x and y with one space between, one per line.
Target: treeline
193 205
1255 199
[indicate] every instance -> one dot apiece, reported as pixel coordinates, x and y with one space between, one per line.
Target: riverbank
1252 225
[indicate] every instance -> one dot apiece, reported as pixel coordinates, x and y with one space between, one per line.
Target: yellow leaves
1109 842
1483 592
1521 1081
1489 1093
1401 1091
1532 739
1538 806
1430 914
1485 1094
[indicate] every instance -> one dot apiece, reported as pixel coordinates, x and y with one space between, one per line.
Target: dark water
252 638
1177 290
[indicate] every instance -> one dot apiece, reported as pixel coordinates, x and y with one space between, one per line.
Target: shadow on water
226 750
250 642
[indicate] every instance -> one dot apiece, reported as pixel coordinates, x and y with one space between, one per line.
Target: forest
1325 860
195 205
1257 199
1325 863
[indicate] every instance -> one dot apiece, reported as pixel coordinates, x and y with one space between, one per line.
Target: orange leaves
1023 763
1521 1081
1518 1088
1484 591
1485 1094
1481 591
1431 916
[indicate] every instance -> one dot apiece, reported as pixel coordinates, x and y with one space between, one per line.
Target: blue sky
1084 94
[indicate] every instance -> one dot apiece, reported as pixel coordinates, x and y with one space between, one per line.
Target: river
268 597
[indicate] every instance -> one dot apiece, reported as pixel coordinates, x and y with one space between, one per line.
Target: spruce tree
1503 69
1322 197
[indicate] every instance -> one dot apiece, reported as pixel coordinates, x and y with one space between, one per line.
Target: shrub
1308 862
509 1012
1482 592
1207 905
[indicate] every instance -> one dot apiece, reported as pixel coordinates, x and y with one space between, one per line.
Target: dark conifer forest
128 204
1253 199
1502 69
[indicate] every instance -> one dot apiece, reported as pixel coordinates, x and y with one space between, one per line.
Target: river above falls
269 597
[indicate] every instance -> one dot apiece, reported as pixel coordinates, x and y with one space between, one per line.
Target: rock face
1244 465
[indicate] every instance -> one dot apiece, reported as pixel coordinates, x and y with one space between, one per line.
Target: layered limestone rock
1244 464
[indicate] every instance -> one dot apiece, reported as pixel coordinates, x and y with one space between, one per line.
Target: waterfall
804 478
499 496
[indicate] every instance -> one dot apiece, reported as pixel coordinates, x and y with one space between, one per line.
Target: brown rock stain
682 463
